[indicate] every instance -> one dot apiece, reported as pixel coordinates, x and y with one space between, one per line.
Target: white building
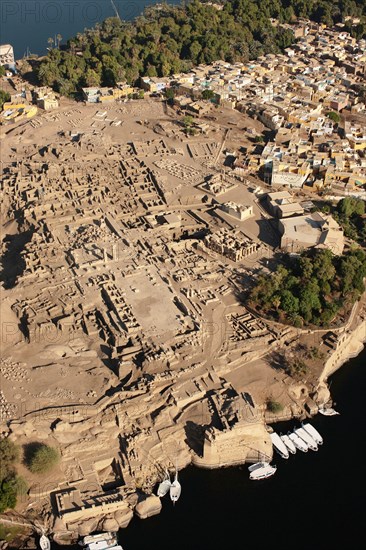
311 230
238 211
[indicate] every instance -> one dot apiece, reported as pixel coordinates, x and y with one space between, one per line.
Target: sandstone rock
123 517
43 433
298 391
132 499
95 430
62 426
58 525
23 428
66 438
84 529
322 395
110 524
150 506
87 527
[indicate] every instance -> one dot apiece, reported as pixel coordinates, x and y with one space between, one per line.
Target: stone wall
351 344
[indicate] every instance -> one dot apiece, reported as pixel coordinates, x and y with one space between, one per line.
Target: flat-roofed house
282 205
309 231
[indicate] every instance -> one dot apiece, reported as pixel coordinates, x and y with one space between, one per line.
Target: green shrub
8 496
20 485
43 459
274 406
9 454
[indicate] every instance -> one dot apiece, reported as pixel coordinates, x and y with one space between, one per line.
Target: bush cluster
312 288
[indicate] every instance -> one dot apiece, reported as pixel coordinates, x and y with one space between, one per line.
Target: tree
323 266
306 267
92 78
2 70
309 299
328 314
188 121
9 454
4 97
170 95
194 50
43 459
284 38
20 485
289 302
59 38
288 14
207 94
335 117
8 497
151 71
350 206
349 267
9 486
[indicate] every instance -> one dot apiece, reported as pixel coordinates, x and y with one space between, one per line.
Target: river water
28 24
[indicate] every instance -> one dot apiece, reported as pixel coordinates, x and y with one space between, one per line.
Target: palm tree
50 42
59 38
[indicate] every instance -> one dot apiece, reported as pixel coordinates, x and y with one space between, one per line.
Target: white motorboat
261 470
279 445
164 486
313 432
298 442
44 543
100 541
289 444
101 545
328 411
175 489
256 465
305 436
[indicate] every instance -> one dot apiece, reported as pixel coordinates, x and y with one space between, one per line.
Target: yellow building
17 111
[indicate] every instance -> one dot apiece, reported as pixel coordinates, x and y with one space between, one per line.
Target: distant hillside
170 39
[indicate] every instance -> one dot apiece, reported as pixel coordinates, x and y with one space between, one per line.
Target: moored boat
44 543
289 444
100 541
164 486
261 470
101 545
305 436
298 442
279 445
175 489
328 411
313 432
